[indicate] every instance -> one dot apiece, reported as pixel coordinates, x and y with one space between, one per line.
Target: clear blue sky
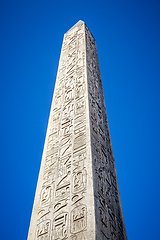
128 42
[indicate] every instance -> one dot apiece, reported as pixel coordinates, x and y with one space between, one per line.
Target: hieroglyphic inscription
61 214
78 154
78 219
106 188
43 230
60 226
70 180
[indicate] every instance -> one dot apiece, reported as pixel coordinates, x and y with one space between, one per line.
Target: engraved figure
50 161
60 204
63 165
66 145
80 107
77 197
68 109
69 94
43 230
48 177
79 91
46 195
70 82
60 224
67 126
79 132
43 211
79 181
78 219
63 188
63 191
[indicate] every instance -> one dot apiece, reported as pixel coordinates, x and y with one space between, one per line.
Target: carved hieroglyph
77 195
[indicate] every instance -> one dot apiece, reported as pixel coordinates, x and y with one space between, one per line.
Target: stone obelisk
77 195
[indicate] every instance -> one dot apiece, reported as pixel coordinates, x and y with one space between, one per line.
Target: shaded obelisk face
77 194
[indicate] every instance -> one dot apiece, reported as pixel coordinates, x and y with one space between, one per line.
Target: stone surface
77 195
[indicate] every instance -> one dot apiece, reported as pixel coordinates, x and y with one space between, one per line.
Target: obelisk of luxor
77 195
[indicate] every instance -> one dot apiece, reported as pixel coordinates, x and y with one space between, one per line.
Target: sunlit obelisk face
77 195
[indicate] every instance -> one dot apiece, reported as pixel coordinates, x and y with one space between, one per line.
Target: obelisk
77 195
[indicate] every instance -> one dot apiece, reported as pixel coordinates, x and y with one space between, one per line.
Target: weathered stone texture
77 195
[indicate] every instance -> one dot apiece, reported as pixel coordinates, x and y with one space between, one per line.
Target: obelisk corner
80 22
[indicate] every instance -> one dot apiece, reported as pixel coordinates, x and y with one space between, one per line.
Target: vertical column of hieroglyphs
108 211
62 211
